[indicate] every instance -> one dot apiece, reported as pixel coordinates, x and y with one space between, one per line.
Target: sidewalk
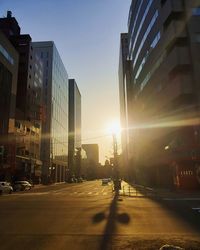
36 186
142 191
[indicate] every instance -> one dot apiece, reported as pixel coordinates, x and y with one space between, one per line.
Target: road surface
90 216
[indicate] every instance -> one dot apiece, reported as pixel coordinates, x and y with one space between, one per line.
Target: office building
125 92
8 89
28 102
164 48
54 145
74 128
92 152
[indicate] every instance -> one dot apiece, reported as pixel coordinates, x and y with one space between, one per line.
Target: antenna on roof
9 14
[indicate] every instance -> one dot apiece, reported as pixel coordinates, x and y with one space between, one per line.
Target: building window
150 26
5 53
141 23
196 11
152 46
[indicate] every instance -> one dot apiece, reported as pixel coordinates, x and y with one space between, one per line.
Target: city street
90 216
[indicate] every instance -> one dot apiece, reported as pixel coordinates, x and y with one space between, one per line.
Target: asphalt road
90 216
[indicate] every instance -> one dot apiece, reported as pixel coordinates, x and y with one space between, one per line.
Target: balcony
171 7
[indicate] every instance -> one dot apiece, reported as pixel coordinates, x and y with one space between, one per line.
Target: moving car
22 186
5 187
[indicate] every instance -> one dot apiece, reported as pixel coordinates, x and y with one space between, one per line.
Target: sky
87 36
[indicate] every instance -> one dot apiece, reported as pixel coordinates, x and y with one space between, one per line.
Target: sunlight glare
114 128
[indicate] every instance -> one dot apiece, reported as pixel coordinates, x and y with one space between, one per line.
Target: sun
114 127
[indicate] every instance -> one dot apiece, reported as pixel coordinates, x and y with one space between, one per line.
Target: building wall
74 124
54 149
27 126
92 152
8 89
164 48
9 70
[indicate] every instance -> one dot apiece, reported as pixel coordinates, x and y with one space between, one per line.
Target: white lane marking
103 190
196 209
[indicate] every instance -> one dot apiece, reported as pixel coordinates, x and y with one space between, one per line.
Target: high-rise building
124 75
92 152
8 89
74 128
164 48
54 146
28 101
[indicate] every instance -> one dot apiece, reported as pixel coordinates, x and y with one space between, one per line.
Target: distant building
54 148
28 102
92 152
8 89
165 71
74 126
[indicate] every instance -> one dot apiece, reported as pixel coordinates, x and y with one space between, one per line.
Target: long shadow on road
111 225
179 208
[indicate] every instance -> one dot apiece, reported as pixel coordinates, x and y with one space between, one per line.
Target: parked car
22 186
5 187
80 179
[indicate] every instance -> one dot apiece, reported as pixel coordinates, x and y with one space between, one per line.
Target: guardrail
138 191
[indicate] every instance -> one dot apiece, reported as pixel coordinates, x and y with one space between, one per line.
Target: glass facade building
54 149
74 127
163 50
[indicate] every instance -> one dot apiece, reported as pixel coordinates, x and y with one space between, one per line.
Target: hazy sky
86 34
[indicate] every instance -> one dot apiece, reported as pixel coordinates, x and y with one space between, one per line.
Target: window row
141 25
151 24
152 46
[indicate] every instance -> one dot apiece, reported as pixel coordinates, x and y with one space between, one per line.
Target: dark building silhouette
164 49
92 152
74 141
8 90
28 101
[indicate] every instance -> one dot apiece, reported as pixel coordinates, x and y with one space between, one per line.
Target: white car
22 186
5 187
